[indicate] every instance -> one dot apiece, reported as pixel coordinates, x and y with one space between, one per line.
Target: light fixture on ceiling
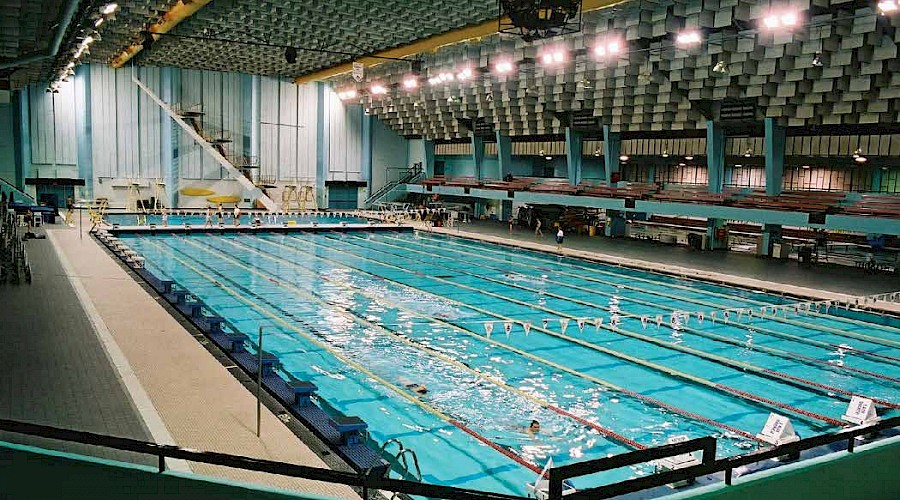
886 6
434 80
858 156
687 38
410 82
290 55
585 83
665 153
779 20
597 152
748 153
503 67
688 158
553 57
446 77
720 68
542 153
489 97
805 167
609 47
817 61
548 158
378 89
99 21
464 74
623 158
738 165
682 164
346 94
109 8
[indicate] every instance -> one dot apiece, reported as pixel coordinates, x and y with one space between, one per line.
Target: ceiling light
542 153
738 165
857 153
548 158
720 68
688 38
99 21
748 153
887 6
558 56
597 153
109 8
503 67
688 158
347 94
378 89
682 164
434 80
817 61
805 167
789 19
665 153
446 77
290 55
860 159
623 158
410 82
464 74
775 20
600 50
552 57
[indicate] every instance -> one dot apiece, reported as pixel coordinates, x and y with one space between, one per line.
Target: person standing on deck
237 216
559 239
208 221
537 229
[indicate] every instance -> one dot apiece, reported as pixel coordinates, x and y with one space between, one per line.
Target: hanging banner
507 327
527 327
563 324
488 328
359 71
580 322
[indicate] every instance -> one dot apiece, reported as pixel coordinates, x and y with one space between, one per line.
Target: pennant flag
726 316
614 319
598 322
527 327
749 313
699 317
797 309
806 306
580 322
762 311
673 318
740 314
827 307
545 322
488 328
658 320
563 324
712 316
507 327
686 317
644 322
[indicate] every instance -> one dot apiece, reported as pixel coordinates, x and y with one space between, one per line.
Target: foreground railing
365 483
707 463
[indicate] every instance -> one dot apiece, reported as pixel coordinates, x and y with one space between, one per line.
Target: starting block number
778 430
860 411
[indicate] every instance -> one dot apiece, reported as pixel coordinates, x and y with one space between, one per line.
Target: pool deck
143 366
819 282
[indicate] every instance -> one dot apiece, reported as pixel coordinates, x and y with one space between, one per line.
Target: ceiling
656 86
352 27
27 28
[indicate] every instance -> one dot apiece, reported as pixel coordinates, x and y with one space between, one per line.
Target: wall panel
345 139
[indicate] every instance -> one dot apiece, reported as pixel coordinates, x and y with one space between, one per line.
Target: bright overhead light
607 48
887 6
446 77
410 82
720 68
597 152
738 165
817 61
682 164
553 56
464 74
789 19
775 20
623 158
688 38
503 67
665 153
378 89
688 158
548 158
748 153
109 8
860 159
347 94
805 167
434 80
99 21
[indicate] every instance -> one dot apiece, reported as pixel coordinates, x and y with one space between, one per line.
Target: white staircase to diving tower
252 189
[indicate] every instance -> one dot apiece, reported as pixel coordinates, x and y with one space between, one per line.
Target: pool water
363 315
198 219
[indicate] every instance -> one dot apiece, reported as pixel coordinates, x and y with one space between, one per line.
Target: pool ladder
401 459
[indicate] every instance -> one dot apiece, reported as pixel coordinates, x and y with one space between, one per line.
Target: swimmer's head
534 426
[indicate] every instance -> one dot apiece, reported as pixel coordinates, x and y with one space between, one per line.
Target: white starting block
778 431
541 489
861 411
676 462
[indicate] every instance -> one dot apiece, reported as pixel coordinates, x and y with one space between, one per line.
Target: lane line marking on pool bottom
675 373
434 411
603 383
460 365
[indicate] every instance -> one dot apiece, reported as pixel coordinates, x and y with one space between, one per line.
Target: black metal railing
409 175
707 466
364 483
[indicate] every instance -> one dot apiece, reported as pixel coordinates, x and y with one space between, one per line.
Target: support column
651 173
366 156
770 234
716 234
168 139
612 148
573 156
477 154
504 154
322 145
83 133
877 174
24 129
715 155
775 139
429 157
615 222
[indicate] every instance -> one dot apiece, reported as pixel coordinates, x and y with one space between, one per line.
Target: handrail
163 451
411 173
19 191
726 465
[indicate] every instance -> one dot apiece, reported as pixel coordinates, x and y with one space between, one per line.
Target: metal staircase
212 141
387 192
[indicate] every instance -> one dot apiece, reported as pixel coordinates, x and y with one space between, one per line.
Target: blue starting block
268 364
303 391
350 429
235 341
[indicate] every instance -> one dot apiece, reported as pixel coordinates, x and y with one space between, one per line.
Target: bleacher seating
875 206
635 191
687 193
792 201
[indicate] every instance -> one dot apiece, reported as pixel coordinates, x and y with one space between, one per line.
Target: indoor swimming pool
607 359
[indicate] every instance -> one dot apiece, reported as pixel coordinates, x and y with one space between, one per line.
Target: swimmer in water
418 389
534 427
